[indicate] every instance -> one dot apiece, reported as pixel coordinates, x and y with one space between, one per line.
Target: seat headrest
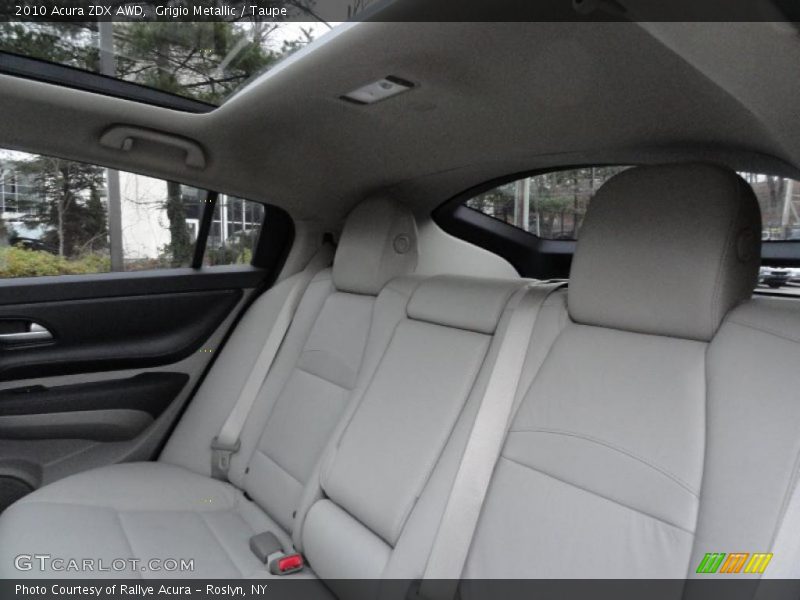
378 243
471 303
666 250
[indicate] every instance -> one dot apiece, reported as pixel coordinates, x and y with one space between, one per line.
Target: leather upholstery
302 399
463 302
425 387
136 510
666 250
378 243
605 455
752 456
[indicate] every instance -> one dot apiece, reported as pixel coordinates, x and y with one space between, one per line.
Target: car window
62 217
209 60
549 205
552 205
234 231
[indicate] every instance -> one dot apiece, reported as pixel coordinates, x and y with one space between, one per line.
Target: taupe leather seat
662 424
606 457
173 507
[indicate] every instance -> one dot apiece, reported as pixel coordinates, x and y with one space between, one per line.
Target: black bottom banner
302 589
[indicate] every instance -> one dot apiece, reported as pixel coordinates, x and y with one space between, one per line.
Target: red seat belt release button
288 563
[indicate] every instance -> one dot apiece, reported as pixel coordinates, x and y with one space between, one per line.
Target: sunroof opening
203 61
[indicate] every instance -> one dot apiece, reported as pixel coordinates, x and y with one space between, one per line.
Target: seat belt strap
460 517
227 441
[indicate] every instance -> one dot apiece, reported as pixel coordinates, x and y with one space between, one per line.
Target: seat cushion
137 511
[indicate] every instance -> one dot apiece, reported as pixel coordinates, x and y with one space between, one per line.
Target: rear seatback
309 384
752 460
410 554
435 365
603 467
173 507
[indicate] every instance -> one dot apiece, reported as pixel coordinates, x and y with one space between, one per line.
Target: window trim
275 240
206 219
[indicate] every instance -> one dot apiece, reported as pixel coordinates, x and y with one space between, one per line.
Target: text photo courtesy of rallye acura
137 590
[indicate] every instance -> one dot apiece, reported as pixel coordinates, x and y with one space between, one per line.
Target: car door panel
115 409
127 352
100 334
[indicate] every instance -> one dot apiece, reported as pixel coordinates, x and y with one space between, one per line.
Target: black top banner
400 10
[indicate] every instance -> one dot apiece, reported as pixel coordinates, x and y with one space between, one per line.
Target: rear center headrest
471 303
378 243
666 250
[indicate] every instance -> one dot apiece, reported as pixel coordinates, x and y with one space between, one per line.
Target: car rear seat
657 420
622 453
635 420
752 458
339 327
648 437
428 384
172 507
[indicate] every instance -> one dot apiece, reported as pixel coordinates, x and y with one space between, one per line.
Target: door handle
35 333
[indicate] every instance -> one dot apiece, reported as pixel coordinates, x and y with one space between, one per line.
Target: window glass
61 217
779 198
550 205
234 231
203 60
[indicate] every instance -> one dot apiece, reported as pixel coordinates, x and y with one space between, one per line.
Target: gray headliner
493 99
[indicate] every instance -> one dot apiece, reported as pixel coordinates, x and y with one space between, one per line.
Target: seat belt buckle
221 453
269 551
284 564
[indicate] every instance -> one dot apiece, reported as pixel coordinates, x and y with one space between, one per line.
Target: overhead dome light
379 90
